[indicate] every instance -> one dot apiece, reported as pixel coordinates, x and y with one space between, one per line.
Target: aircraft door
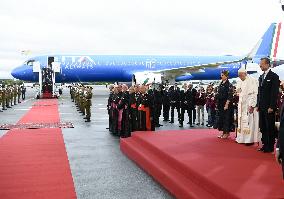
48 78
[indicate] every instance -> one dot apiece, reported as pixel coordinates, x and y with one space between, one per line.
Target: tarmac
99 169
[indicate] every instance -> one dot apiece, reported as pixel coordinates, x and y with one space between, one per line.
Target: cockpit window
30 62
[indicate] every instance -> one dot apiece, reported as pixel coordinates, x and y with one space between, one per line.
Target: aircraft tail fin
268 44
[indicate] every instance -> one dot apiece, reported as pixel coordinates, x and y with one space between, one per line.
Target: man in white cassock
248 119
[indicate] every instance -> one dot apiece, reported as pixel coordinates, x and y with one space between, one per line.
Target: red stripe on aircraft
277 40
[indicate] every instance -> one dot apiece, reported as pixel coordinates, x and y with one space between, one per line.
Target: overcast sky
162 27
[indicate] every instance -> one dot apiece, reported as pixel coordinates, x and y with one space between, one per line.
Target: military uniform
7 97
3 101
1 97
19 93
88 103
82 101
72 93
15 94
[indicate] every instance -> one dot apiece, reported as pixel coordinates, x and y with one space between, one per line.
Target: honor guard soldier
72 92
15 94
8 96
1 97
82 100
88 103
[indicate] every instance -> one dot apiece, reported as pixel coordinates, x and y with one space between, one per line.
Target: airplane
138 68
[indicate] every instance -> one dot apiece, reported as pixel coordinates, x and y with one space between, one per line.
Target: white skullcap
242 70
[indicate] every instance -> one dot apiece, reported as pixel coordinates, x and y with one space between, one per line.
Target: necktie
262 78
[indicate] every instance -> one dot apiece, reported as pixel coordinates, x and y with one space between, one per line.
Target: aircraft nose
15 73
19 72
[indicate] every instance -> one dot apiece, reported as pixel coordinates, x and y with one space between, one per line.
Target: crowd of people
130 109
250 108
11 95
82 97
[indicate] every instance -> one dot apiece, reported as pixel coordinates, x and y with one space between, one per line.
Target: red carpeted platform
34 162
196 164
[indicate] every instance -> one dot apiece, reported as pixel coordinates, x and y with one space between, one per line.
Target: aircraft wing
172 73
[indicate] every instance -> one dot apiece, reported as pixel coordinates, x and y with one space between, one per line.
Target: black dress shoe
191 126
88 120
171 122
249 144
267 151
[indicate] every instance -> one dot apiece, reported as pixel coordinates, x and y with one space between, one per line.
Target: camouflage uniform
82 101
1 97
7 94
15 94
3 102
88 103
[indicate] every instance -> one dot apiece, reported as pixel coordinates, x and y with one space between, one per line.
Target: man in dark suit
266 105
174 96
280 141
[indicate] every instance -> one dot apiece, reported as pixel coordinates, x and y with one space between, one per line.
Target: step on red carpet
196 164
34 162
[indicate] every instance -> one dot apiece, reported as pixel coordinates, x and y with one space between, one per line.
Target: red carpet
196 164
34 162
